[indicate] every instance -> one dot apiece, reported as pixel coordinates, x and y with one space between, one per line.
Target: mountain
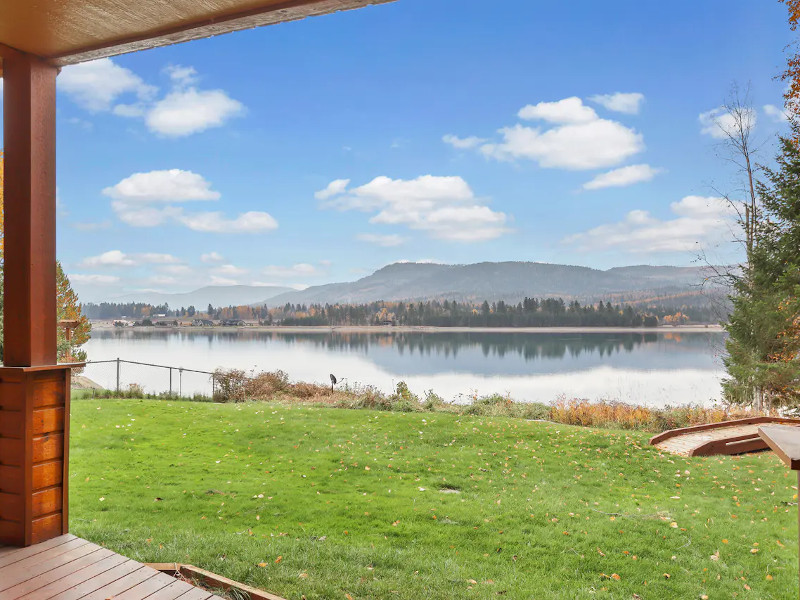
229 295
508 281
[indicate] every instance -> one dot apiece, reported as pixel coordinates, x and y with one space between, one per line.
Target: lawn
331 503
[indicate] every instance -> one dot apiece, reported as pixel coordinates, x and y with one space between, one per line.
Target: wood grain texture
45 528
79 569
726 438
784 441
67 32
70 568
48 420
48 474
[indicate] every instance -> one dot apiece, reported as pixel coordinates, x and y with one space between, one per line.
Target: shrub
230 385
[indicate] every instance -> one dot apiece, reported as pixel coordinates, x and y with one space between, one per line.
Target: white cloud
576 138
130 111
181 75
776 113
466 143
117 258
173 185
622 177
91 278
720 124
144 215
387 241
112 258
147 200
699 222
231 270
628 103
298 270
593 145
97 84
568 110
157 259
212 257
186 111
444 207
222 280
335 187
215 222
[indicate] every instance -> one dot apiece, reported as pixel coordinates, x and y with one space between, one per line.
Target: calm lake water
653 369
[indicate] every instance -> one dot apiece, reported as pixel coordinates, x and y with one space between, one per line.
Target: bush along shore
240 386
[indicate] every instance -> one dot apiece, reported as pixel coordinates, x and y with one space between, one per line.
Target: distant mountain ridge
216 295
507 281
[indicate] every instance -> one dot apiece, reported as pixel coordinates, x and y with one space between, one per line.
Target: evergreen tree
764 327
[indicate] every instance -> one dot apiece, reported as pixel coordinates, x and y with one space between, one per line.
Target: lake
653 369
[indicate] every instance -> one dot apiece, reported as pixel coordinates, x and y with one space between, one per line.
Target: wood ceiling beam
289 10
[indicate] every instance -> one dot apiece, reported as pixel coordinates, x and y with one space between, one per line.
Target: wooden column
34 391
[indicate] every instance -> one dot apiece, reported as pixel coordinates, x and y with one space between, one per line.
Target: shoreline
424 329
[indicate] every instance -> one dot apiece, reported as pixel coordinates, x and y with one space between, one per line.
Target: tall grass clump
620 415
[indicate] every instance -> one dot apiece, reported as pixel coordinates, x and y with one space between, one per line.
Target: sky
453 131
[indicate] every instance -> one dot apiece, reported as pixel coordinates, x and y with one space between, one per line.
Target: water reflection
650 368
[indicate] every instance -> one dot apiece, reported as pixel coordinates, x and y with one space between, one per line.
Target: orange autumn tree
68 305
792 73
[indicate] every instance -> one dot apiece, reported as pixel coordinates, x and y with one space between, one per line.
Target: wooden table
784 440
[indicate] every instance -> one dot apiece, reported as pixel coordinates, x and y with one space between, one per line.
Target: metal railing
121 375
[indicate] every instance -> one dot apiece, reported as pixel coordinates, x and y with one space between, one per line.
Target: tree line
531 312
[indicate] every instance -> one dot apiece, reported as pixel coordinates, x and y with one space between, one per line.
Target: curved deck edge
665 435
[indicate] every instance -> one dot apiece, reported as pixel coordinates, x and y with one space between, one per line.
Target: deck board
55 579
70 568
720 440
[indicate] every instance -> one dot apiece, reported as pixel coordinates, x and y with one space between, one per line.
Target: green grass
331 503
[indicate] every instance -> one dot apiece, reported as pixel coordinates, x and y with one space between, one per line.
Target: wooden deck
729 437
70 568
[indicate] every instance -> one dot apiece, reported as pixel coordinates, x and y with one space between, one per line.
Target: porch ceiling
66 32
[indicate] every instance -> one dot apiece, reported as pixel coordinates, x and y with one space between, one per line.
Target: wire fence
122 375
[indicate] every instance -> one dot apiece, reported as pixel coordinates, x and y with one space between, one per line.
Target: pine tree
763 347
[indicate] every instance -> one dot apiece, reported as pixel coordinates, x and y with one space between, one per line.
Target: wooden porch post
34 391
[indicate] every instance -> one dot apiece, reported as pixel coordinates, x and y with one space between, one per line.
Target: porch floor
70 568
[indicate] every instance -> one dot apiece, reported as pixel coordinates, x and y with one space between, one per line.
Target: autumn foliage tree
67 303
792 73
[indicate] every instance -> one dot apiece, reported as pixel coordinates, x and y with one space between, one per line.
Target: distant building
202 323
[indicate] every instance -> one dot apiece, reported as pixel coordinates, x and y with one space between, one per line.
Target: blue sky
445 130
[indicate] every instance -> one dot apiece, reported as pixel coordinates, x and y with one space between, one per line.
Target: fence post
118 375
180 382
170 381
